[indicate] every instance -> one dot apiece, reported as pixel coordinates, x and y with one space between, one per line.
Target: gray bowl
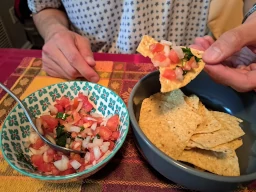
215 97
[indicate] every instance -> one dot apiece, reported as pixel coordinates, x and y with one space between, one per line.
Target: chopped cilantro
189 54
62 116
98 136
80 137
82 128
62 136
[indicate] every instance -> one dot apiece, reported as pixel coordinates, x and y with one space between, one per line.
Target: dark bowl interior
215 97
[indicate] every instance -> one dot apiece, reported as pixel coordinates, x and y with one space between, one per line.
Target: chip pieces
163 119
222 164
183 128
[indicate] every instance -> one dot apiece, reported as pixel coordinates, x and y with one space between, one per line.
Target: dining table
21 71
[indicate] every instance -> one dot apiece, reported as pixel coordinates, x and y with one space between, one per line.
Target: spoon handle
26 111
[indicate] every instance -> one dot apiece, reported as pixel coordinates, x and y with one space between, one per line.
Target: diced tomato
81 168
156 47
45 167
74 134
76 116
113 123
169 74
105 133
99 120
38 144
63 101
112 145
159 57
67 172
75 103
54 170
59 108
115 135
174 57
69 119
86 103
79 123
57 157
37 160
49 122
192 63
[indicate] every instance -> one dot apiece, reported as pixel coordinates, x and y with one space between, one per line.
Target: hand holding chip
231 60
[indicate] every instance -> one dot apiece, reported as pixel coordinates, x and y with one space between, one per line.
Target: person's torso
117 26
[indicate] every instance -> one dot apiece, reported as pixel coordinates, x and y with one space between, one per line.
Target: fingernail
213 53
90 61
94 79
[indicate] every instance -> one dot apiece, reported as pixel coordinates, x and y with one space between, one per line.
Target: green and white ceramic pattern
16 128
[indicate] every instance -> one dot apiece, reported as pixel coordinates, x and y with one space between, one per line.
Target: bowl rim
78 174
178 164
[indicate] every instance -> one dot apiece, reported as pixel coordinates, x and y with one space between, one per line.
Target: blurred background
17 29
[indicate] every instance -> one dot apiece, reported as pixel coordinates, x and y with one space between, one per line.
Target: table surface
128 171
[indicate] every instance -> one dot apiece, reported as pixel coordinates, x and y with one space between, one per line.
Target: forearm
50 21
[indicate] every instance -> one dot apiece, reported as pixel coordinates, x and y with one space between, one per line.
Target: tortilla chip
210 123
193 101
167 85
223 148
143 47
164 120
230 131
218 163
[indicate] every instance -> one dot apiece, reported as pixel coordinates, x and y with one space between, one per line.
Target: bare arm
50 21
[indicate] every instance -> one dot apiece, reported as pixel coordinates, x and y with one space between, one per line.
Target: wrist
53 29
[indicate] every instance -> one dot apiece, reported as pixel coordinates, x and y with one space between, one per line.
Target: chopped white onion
97 153
80 105
50 138
88 166
90 145
39 151
166 42
167 51
39 125
179 73
68 140
165 63
97 142
90 119
104 156
62 164
104 148
75 164
106 143
33 137
155 63
77 144
86 141
53 110
94 162
75 129
179 51
87 157
78 139
94 126
46 157
67 127
95 114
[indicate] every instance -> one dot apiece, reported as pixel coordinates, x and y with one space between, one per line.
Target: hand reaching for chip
231 60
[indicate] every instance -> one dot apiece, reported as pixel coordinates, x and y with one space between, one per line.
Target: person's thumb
229 43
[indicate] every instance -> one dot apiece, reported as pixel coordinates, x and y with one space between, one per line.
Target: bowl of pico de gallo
78 115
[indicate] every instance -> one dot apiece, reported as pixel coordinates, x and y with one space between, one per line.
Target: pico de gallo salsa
72 124
176 60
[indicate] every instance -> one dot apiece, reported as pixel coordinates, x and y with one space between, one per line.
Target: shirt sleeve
37 5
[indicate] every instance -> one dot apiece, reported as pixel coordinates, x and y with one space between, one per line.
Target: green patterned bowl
16 128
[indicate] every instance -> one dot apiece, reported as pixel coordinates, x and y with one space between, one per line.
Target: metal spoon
31 118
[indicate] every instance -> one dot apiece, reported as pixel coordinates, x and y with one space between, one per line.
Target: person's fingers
52 68
84 47
227 44
54 54
198 47
76 60
252 67
202 42
231 77
209 39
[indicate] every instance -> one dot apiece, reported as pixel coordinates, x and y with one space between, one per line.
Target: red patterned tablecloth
21 71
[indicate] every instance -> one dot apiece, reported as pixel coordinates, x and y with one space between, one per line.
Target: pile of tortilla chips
185 130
